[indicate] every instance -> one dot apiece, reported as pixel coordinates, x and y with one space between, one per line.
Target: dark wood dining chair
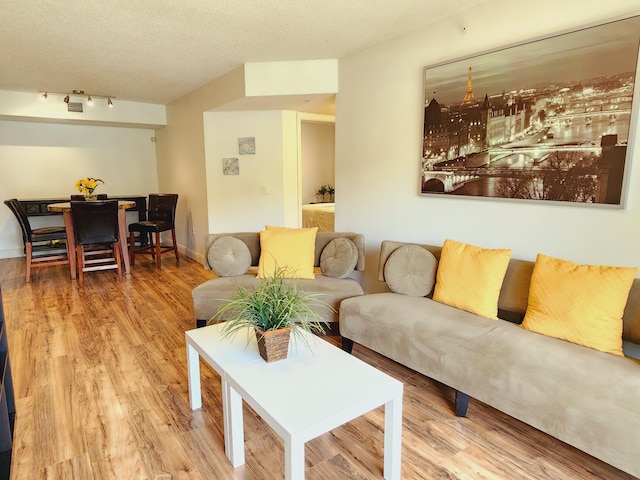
96 233
43 247
161 216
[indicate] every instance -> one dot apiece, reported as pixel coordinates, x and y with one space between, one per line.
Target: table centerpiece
86 186
276 309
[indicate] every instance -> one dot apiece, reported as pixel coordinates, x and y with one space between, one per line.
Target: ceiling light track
44 95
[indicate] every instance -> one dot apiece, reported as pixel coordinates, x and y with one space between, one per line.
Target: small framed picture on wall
230 166
247 145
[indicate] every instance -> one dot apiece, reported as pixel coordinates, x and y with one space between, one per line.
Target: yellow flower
87 185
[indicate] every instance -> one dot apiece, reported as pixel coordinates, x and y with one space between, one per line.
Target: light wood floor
101 386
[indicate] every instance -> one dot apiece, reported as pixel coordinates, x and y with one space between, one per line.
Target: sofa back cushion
631 317
252 240
512 302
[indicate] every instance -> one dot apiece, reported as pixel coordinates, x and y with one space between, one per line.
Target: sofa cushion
579 395
582 304
229 256
338 258
411 270
289 248
209 296
470 277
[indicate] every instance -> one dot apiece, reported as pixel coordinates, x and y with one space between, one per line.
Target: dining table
65 208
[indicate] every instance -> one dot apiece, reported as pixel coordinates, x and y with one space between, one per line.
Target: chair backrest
18 210
162 207
81 198
95 222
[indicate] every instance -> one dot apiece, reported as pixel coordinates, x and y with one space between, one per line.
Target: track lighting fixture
77 93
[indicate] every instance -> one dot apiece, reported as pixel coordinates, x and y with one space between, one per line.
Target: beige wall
44 160
258 195
378 132
200 132
318 158
181 170
379 118
181 157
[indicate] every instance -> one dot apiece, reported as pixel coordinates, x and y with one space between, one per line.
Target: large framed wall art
551 120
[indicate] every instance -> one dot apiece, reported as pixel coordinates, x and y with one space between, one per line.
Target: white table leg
193 374
293 459
393 439
233 424
226 418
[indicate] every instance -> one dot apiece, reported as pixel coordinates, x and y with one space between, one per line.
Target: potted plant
325 190
276 309
332 193
322 191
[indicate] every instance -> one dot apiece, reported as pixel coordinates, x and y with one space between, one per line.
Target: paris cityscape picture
549 120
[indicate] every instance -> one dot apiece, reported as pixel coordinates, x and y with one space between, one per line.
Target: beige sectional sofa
332 280
584 397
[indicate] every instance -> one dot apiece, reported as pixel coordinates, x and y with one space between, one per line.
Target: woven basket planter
273 344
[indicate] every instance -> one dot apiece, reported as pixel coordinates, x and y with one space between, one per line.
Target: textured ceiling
158 50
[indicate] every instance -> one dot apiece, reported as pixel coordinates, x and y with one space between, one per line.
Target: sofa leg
462 402
347 345
201 323
333 329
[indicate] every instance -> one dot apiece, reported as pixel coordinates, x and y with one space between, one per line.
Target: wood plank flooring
101 388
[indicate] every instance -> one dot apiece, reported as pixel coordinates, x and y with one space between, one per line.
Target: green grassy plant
277 302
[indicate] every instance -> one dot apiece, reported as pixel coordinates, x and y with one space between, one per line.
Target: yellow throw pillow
290 248
277 227
470 277
582 304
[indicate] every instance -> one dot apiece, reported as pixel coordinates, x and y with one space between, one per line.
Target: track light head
44 94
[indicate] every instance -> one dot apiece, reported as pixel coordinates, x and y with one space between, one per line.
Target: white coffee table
310 393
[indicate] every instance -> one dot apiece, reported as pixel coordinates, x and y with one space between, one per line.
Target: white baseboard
12 253
192 254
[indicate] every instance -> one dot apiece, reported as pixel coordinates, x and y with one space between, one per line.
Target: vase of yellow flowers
86 186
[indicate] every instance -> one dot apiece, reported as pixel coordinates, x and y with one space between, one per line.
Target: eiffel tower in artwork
469 98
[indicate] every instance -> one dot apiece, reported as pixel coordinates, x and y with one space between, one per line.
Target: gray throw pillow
411 270
339 258
229 256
